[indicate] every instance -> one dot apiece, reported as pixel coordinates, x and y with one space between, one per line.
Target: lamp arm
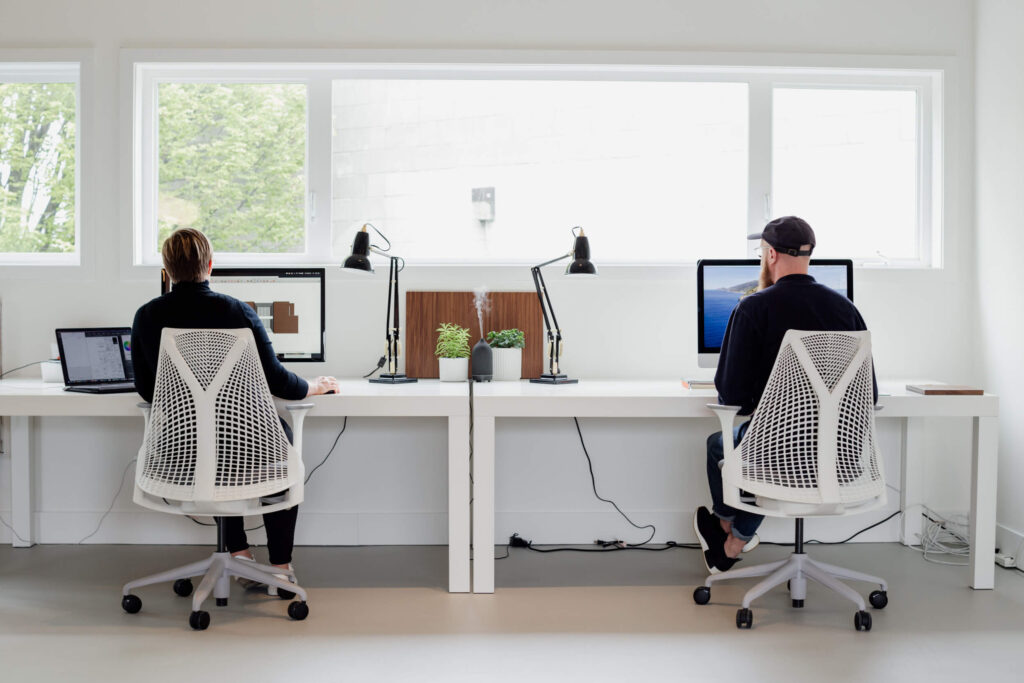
387 315
555 340
395 328
554 260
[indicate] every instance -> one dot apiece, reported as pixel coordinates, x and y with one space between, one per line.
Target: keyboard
120 388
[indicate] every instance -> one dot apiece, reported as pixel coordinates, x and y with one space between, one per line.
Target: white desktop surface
25 399
669 399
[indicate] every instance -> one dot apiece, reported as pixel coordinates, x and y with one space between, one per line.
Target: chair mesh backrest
213 431
812 436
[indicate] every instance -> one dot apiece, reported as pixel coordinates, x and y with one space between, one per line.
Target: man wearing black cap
787 299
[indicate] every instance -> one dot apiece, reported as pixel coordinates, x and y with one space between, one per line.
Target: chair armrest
295 415
726 415
145 408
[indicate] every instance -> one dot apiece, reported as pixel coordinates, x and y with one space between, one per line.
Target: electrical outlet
1006 560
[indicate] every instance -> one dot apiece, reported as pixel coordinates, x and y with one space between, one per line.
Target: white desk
669 399
25 400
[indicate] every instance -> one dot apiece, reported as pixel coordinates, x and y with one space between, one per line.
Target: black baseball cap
787 234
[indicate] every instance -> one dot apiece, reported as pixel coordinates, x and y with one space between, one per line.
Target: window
232 163
38 164
224 150
666 160
281 163
847 162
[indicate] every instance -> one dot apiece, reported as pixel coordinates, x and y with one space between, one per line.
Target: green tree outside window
37 167
232 163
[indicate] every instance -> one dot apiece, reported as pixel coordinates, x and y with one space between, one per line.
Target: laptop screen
96 355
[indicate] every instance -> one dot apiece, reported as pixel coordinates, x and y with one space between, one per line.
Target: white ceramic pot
453 369
508 364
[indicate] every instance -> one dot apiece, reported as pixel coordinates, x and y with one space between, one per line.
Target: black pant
280 528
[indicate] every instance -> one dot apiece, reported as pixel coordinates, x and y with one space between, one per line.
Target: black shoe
712 541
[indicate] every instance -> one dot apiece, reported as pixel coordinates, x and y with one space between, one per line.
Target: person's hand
322 385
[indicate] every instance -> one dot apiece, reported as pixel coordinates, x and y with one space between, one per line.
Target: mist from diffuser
580 266
359 261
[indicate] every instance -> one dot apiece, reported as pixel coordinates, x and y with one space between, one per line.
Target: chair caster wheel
744 618
285 595
298 610
131 604
702 595
183 587
862 621
199 621
878 599
798 604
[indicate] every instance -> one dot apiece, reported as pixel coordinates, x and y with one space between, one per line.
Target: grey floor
383 614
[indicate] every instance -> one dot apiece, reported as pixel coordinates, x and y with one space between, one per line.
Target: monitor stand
707 360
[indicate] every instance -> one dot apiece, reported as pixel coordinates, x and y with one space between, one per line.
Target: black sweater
193 305
761 320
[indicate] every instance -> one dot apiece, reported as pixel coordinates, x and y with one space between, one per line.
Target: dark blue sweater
756 328
193 305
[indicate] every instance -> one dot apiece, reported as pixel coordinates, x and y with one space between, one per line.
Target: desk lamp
580 266
360 261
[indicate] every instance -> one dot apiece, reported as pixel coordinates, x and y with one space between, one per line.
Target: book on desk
945 390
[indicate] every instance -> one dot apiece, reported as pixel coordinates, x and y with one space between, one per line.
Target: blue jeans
744 524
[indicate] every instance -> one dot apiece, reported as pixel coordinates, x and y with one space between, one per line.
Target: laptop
97 360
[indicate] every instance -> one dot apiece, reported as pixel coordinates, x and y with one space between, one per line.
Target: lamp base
393 378
553 379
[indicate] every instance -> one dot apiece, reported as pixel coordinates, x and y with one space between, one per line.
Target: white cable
944 536
114 500
16 535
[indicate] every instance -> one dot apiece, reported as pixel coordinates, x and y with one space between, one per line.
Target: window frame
761 73
15 70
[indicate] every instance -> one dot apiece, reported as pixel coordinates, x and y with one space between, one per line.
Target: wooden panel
425 311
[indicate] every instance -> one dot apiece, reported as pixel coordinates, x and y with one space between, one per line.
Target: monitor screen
722 283
96 355
289 302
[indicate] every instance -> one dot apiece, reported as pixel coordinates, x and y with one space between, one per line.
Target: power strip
1006 560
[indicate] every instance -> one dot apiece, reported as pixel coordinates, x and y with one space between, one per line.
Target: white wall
628 323
1000 230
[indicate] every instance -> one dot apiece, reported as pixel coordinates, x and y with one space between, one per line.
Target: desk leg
21 482
984 463
912 479
483 504
458 504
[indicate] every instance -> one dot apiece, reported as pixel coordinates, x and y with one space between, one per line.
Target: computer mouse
332 391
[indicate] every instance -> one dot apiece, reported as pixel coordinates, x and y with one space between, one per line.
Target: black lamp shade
581 263
360 258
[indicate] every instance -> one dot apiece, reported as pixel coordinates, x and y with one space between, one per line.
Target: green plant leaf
452 341
507 339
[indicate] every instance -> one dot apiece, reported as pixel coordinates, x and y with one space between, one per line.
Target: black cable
507 547
848 538
22 367
344 426
380 364
593 484
614 549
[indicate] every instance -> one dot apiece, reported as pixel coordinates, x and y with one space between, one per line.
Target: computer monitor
289 301
721 283
96 355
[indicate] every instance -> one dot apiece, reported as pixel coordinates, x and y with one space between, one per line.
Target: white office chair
214 446
810 451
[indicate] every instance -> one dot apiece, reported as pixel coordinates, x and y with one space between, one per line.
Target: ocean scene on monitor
724 286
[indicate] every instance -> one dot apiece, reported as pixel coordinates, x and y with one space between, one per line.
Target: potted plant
507 346
452 352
